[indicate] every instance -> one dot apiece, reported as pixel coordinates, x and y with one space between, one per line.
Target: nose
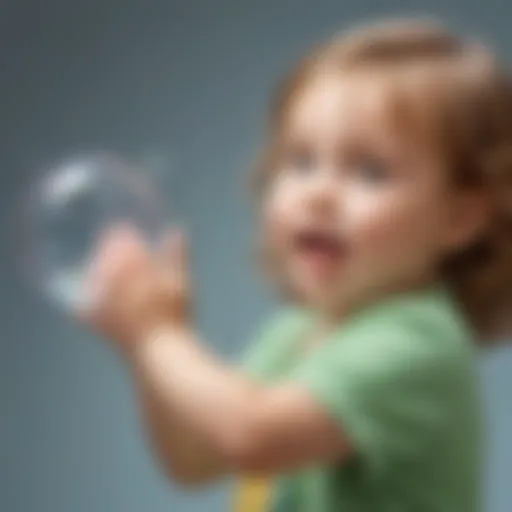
323 194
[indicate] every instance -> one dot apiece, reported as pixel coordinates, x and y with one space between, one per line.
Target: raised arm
204 418
207 420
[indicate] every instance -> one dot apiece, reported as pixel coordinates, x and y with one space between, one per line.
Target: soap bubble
70 208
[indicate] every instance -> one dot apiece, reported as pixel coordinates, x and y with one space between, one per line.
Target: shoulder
425 328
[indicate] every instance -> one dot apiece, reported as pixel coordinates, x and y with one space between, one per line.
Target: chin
317 297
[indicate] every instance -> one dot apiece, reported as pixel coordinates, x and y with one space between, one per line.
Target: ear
469 217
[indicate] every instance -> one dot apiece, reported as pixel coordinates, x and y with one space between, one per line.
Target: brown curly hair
462 100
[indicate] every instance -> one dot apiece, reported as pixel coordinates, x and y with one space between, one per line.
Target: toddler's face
356 208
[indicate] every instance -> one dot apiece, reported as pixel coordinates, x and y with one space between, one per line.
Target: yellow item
253 495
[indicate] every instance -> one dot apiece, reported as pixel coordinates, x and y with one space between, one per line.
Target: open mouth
320 246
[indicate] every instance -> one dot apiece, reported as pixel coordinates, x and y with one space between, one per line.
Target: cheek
280 207
396 228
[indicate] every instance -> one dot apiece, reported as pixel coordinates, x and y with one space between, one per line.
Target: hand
136 292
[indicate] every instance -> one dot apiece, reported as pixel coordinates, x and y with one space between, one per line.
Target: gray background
186 80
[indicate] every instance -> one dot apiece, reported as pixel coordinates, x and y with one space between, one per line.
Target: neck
334 312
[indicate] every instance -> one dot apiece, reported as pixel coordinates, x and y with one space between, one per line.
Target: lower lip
322 262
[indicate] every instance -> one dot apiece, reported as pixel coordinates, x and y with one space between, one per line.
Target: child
384 195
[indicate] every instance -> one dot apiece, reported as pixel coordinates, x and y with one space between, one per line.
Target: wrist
158 336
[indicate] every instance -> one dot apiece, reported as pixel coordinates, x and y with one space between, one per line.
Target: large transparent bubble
70 207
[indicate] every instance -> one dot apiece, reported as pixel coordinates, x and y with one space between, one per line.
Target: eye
371 170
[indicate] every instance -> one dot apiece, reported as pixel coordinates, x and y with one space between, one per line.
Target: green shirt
400 380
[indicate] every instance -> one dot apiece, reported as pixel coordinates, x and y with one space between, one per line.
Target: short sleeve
389 384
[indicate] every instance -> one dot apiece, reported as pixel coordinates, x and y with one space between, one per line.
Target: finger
109 243
119 251
119 245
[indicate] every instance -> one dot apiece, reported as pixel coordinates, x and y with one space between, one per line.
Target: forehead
359 107
335 97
